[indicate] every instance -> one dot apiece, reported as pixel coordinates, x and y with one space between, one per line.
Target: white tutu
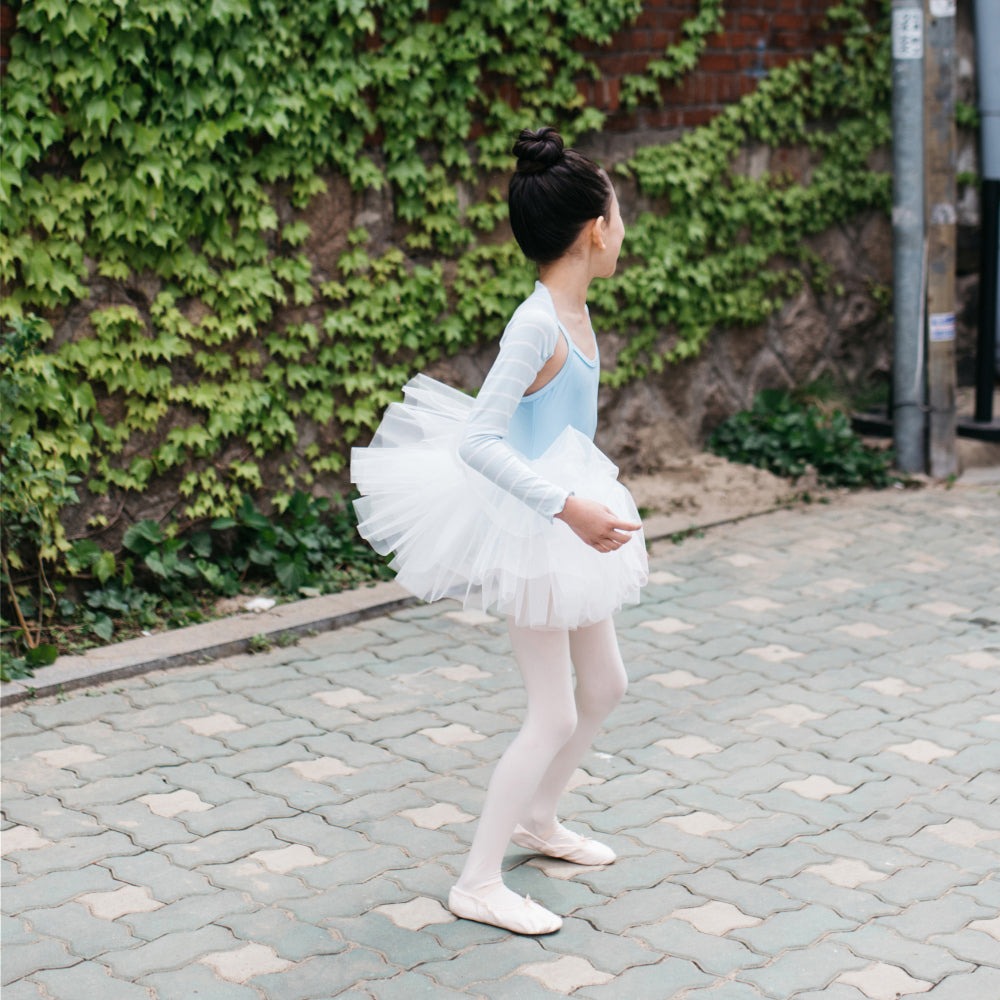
456 534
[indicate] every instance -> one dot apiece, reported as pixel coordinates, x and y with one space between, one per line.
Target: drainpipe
908 233
987 14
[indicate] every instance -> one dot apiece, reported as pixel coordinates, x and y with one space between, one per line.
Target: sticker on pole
942 327
907 33
942 8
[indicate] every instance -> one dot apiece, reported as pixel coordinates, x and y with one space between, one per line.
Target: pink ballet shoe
565 844
522 917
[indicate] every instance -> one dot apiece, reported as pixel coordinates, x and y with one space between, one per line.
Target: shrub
787 436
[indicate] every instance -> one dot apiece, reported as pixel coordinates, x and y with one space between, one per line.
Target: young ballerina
505 503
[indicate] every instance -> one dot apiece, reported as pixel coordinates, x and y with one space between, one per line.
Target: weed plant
166 580
788 435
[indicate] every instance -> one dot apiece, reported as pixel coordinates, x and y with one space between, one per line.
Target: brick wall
756 36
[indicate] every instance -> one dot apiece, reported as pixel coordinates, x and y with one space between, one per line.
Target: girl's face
611 232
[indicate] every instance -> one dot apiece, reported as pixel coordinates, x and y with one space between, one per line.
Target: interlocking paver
172 951
195 980
88 979
85 934
219 848
49 817
720 956
22 960
73 853
802 969
165 880
311 979
878 942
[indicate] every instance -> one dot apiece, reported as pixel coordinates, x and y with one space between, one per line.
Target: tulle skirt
455 534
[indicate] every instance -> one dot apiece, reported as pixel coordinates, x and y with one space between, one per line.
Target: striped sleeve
528 342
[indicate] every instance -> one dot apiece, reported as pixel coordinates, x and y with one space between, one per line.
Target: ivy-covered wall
242 243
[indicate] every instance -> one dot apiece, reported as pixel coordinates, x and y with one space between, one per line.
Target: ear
598 228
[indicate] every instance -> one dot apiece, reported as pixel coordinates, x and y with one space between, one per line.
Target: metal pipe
908 233
987 14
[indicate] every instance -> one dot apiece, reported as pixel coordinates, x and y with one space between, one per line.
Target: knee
549 735
599 697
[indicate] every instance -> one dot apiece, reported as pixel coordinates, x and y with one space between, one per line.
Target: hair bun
537 151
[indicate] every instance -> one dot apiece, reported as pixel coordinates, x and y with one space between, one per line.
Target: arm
527 344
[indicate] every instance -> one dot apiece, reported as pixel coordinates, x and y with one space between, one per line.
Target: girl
505 503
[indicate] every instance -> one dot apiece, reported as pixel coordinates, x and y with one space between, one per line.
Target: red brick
8 18
792 41
670 19
698 116
753 22
640 39
636 63
718 62
612 100
661 39
621 123
729 88
795 22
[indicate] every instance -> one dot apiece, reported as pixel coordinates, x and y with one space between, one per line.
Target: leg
600 684
544 660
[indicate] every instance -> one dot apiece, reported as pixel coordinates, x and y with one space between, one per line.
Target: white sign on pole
907 33
942 327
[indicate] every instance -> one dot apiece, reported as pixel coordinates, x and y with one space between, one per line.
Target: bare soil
702 489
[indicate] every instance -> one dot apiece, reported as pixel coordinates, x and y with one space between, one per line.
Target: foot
565 844
502 908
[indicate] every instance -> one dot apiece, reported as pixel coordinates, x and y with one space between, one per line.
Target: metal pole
988 83
939 164
908 232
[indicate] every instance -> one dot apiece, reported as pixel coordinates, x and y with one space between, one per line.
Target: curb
207 641
237 634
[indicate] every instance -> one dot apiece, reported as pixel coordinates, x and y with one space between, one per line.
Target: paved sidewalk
802 784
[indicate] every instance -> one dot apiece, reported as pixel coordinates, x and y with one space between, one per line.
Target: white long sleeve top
506 427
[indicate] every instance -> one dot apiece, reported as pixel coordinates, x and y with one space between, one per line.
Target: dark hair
553 195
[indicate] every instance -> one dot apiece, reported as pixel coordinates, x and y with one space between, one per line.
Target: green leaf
141 537
41 656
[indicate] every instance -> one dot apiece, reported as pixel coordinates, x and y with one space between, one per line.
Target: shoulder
534 323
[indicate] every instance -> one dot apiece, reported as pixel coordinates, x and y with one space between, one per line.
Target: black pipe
986 344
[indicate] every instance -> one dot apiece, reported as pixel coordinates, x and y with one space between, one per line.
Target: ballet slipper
523 916
565 844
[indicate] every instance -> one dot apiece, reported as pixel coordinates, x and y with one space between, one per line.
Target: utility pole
939 145
908 233
988 82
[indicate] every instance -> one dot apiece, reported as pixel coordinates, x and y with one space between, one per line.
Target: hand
596 524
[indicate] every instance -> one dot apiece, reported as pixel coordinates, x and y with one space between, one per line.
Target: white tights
559 725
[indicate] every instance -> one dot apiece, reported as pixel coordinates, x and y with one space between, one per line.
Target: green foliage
787 437
163 578
45 440
966 115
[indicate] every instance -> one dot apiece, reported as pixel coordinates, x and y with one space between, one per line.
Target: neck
567 280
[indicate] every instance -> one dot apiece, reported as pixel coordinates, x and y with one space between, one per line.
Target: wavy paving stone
801 784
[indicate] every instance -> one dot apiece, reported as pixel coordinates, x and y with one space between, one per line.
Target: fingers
612 542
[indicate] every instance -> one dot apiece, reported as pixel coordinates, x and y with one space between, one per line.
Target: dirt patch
702 489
